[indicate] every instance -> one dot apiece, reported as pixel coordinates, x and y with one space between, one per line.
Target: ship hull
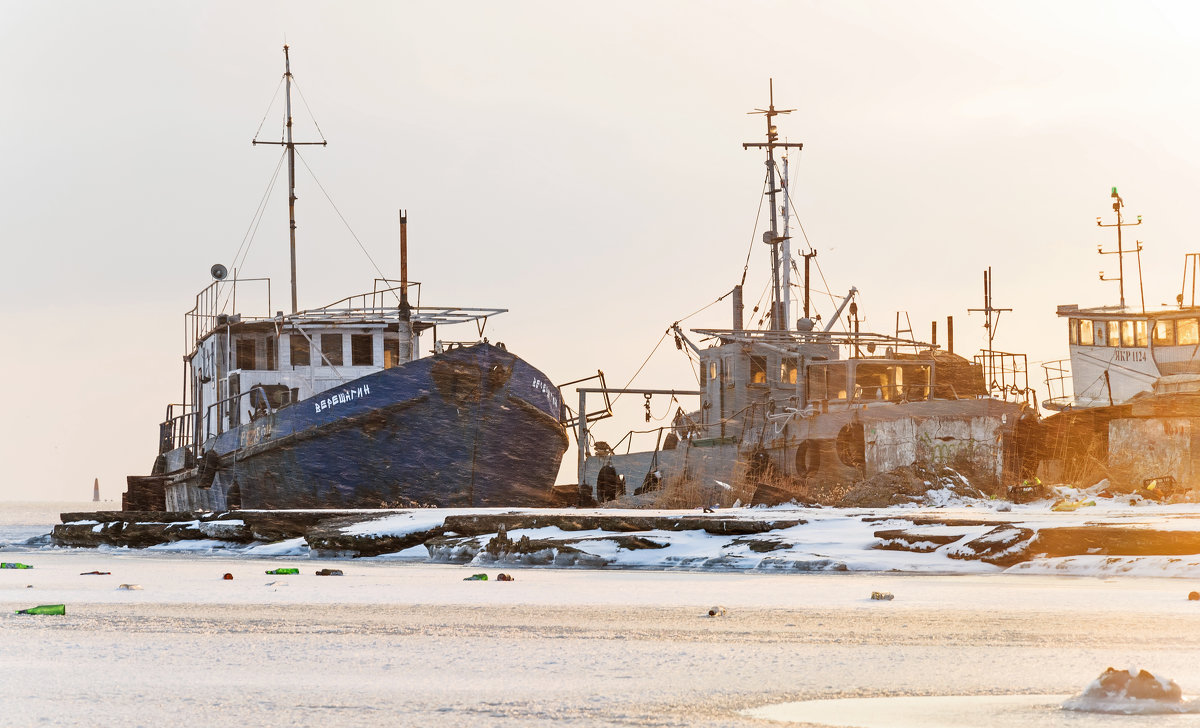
834 449
475 426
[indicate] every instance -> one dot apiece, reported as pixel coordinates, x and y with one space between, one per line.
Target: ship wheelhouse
786 374
1117 354
243 368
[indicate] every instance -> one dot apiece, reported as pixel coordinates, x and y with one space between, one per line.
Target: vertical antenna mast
291 158
1121 252
772 236
787 248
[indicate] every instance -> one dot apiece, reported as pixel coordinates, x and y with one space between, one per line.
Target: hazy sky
578 165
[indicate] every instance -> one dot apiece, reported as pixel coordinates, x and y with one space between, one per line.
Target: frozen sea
398 643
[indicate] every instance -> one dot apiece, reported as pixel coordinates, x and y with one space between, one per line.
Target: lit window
1073 331
1164 333
391 352
787 371
1085 333
1127 333
1189 332
1139 333
758 370
1114 334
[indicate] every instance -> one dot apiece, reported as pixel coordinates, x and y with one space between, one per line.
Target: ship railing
377 299
1058 384
260 405
428 315
176 430
217 303
853 339
1006 374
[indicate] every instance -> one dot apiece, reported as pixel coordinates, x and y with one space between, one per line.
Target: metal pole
774 234
581 438
787 250
291 155
807 288
1120 254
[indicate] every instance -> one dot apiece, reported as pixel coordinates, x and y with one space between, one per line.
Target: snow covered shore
1098 536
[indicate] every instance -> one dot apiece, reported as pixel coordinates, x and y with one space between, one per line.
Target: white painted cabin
1118 354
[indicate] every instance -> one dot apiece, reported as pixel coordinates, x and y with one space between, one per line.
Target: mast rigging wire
268 111
757 217
252 228
344 222
792 204
311 115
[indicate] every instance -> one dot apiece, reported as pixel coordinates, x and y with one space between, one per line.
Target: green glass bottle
13 565
283 570
45 609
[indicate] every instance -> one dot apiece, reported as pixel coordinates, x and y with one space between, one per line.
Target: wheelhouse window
300 354
1114 333
913 381
1188 332
272 353
787 370
1127 333
826 381
245 352
362 350
1073 331
331 349
1085 332
758 370
1139 333
391 351
817 389
873 381
1163 333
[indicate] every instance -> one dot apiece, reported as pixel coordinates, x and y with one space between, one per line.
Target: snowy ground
392 643
397 642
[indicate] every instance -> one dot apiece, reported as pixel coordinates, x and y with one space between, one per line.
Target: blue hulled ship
334 407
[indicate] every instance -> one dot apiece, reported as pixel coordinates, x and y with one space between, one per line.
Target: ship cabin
240 367
1117 354
748 375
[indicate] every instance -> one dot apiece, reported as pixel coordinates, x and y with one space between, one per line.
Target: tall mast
772 236
291 159
1120 252
785 210
291 156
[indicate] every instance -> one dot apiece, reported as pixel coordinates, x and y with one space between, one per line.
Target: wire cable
344 222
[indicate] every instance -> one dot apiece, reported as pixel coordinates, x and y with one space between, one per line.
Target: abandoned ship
333 407
788 410
1127 402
